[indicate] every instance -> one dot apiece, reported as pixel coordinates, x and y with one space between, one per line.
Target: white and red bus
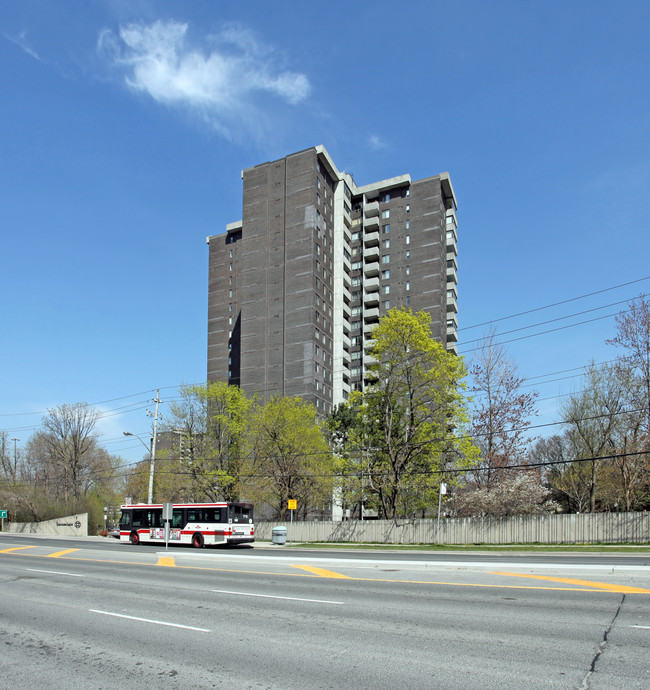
198 524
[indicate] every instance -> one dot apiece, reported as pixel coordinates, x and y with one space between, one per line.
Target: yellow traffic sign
292 504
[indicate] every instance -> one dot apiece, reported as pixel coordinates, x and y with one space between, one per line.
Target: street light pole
152 448
128 433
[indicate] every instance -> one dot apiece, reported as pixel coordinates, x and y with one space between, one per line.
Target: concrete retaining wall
69 526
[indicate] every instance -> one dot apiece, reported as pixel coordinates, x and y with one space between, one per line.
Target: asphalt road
98 614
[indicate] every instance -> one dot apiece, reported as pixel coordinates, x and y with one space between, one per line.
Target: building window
230 307
408 270
408 301
231 253
229 293
408 224
408 208
386 198
385 274
230 320
385 259
408 285
387 305
408 192
386 244
355 236
408 253
386 228
385 213
356 265
386 289
408 239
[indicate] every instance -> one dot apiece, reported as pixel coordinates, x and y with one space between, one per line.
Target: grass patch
627 548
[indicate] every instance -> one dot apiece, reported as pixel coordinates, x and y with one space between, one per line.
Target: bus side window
177 518
138 516
125 520
154 518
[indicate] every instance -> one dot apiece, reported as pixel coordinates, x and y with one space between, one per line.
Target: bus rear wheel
197 541
135 539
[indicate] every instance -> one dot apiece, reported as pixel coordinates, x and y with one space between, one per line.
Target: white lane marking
53 572
644 627
148 620
271 596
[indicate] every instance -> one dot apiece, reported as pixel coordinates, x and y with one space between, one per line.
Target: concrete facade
296 286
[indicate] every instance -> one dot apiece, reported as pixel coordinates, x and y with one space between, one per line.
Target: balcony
368 329
452 304
371 223
371 239
371 254
346 343
369 360
371 209
371 269
452 276
371 315
451 240
452 336
371 300
371 285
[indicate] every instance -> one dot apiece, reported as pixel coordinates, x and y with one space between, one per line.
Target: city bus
198 524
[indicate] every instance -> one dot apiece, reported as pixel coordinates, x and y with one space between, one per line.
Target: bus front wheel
197 541
135 539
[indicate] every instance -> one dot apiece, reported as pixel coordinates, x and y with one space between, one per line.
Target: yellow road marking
609 588
166 560
323 573
62 553
585 583
17 548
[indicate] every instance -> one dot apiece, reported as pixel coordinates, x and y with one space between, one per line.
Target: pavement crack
601 646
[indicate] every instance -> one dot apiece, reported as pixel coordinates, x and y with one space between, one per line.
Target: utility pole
153 444
15 440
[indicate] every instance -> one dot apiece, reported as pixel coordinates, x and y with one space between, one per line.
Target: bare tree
65 447
501 413
633 336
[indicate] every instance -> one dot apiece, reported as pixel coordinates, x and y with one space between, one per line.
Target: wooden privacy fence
584 528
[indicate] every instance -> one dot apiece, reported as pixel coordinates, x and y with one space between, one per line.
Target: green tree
210 424
412 416
595 426
290 458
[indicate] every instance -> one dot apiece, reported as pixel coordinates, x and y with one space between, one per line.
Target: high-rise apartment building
298 284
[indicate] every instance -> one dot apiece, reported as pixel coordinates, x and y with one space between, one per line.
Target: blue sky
124 127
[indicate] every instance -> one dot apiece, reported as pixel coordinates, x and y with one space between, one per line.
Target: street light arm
128 433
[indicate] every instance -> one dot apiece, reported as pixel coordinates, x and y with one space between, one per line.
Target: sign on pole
3 513
292 504
167 513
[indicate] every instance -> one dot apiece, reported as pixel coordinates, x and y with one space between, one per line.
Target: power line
555 304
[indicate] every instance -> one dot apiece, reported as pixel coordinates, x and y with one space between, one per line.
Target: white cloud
21 42
376 142
222 82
